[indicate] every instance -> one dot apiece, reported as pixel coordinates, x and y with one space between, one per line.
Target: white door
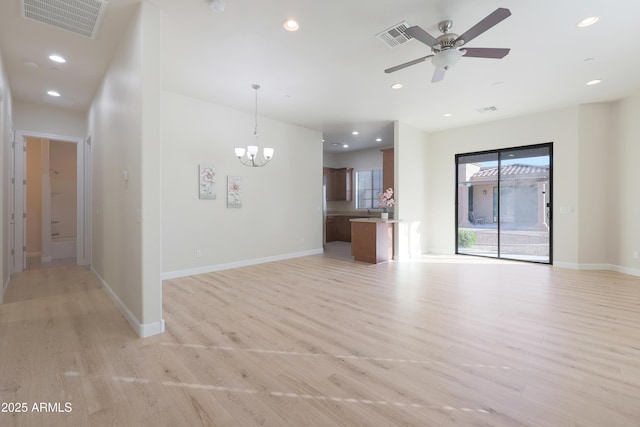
12 210
18 234
87 202
20 195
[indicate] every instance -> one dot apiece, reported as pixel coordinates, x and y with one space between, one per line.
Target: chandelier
251 156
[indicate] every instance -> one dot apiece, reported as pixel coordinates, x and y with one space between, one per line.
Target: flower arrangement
386 200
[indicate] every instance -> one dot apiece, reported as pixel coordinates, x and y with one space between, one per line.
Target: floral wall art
207 182
234 191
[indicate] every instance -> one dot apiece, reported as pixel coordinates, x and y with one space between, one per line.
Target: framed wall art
234 191
207 176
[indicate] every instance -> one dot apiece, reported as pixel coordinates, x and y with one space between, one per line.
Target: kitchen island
372 239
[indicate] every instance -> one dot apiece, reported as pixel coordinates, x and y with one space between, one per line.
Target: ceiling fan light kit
447 58
447 49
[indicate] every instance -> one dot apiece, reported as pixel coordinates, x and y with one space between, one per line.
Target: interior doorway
51 200
50 204
503 203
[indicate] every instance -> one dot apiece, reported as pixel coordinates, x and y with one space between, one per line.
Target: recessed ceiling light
30 64
497 83
447 115
335 144
588 59
217 5
290 25
378 139
588 21
594 82
345 146
396 86
53 93
57 58
355 132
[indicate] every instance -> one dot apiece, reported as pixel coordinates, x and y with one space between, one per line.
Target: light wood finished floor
316 341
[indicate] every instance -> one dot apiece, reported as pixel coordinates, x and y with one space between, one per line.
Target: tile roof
515 171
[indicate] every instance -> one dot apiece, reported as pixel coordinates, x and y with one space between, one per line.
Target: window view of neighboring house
523 188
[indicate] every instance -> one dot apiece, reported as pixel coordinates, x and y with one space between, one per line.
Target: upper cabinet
338 183
387 168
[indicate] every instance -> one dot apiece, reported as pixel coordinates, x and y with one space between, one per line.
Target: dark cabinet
333 228
338 183
338 228
387 168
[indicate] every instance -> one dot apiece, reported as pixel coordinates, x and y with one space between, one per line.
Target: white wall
5 151
623 218
596 241
369 159
281 214
412 189
124 127
559 126
49 119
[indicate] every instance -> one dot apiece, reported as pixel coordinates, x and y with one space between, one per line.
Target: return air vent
78 16
487 109
395 36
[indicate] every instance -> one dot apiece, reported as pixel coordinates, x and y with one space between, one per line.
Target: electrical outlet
198 253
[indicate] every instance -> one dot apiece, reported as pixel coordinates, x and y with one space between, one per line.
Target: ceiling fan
449 47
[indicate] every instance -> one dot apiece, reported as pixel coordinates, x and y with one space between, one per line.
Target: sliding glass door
503 203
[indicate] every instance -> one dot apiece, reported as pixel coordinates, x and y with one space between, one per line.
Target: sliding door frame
548 208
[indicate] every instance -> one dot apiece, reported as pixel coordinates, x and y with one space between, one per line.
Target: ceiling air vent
487 109
78 16
395 36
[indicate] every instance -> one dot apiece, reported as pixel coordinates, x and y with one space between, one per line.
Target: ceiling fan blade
492 19
407 64
421 35
485 52
438 75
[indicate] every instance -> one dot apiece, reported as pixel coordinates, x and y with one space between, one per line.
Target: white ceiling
329 75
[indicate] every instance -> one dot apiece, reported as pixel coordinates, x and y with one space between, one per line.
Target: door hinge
24 182
24 149
13 144
24 249
13 180
13 216
24 215
12 252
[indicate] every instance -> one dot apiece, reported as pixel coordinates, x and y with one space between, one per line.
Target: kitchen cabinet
333 229
388 168
338 183
338 228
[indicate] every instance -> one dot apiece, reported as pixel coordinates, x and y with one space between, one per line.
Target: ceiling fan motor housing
446 41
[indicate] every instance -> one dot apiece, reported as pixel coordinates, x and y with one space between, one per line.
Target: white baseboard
4 288
143 330
237 264
626 270
595 266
